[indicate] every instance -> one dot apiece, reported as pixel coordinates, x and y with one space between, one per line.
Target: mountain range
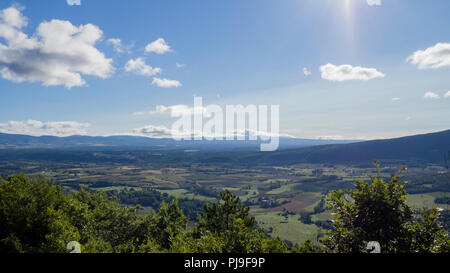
13 141
422 149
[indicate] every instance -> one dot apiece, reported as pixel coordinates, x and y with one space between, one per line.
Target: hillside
423 148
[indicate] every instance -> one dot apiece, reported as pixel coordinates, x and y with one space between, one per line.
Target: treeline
305 216
426 183
153 198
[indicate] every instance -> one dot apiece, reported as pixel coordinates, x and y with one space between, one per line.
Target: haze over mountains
12 141
424 148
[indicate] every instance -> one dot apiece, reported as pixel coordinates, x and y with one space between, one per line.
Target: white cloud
159 46
431 95
13 18
180 65
153 131
39 128
161 131
165 83
374 2
118 46
306 72
179 110
447 95
140 67
347 72
395 99
433 57
57 54
139 113
74 2
175 111
331 137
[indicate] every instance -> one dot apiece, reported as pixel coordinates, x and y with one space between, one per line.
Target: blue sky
372 71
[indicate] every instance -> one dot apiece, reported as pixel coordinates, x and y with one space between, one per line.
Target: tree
29 210
36 216
170 222
227 227
377 211
217 217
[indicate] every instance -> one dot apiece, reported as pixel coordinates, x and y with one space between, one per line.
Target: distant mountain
429 148
10 141
418 149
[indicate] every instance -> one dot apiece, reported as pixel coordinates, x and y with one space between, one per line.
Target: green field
288 228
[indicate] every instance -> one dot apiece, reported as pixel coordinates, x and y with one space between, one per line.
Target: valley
286 200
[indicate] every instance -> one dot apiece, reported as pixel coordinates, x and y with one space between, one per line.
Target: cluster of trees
264 201
305 216
377 211
323 183
153 198
36 216
420 183
442 200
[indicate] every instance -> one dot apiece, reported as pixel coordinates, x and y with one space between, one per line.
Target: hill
430 148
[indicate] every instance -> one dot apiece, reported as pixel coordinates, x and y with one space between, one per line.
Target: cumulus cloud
447 95
306 72
39 128
347 72
74 2
433 57
180 110
175 111
179 65
57 54
374 2
431 95
140 67
165 83
118 46
153 131
159 46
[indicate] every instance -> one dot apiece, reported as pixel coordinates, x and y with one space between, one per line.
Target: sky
338 69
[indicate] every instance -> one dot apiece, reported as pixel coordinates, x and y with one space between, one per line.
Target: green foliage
28 212
170 222
36 216
377 211
217 217
153 198
308 247
226 227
